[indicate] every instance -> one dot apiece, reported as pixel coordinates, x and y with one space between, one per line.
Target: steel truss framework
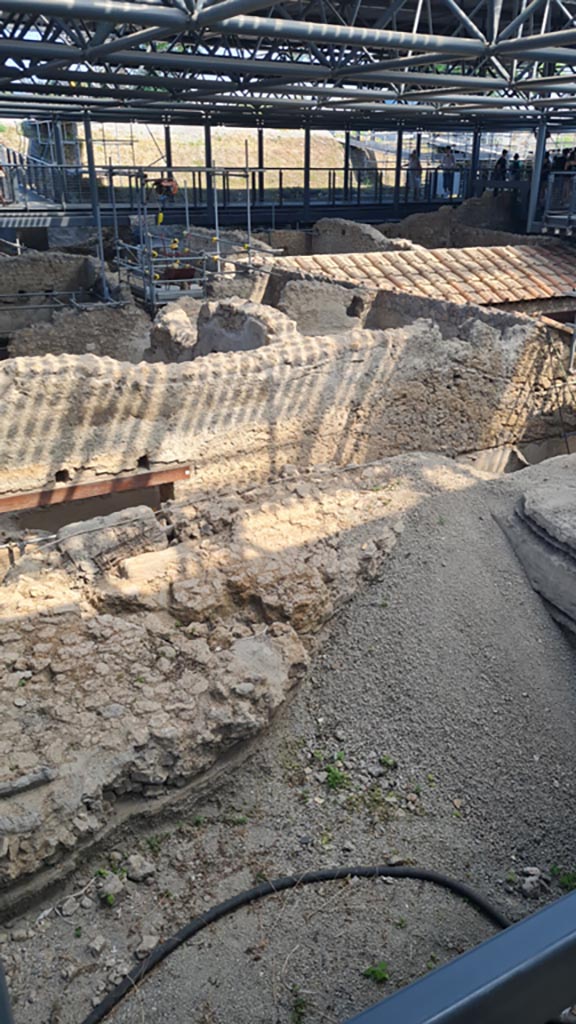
377 64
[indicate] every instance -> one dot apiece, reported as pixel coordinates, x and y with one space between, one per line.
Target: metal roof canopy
377 64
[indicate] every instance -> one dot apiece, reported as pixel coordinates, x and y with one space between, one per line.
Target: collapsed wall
485 379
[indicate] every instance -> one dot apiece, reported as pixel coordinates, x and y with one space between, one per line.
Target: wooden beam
93 489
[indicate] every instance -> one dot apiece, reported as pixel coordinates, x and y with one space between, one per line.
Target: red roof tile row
479 275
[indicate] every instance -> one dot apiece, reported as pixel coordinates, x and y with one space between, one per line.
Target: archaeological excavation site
287 512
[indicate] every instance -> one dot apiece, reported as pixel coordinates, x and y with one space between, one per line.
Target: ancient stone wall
240 416
38 272
42 274
335 234
290 242
121 332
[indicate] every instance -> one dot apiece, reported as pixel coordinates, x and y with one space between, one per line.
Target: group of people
504 169
448 166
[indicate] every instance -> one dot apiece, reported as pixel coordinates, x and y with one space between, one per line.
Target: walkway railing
559 198
29 183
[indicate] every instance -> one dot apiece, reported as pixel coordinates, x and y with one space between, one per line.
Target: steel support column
307 141
95 203
60 159
346 165
168 150
536 176
208 163
474 163
398 170
261 164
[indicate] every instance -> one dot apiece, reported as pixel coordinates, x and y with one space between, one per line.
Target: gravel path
438 727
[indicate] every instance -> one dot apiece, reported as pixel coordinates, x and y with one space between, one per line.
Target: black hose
139 971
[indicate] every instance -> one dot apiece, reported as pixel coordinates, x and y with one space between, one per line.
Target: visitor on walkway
4 197
559 162
414 176
568 181
501 168
448 167
515 168
546 171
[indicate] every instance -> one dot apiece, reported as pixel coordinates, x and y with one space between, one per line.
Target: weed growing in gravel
566 879
372 801
432 962
336 778
387 761
401 922
380 972
110 900
299 1004
292 767
154 843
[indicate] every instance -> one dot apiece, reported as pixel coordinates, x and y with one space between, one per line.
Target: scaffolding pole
95 205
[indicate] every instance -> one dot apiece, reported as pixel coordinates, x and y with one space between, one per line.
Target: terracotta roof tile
482 275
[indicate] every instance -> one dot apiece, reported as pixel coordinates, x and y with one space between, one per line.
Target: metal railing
559 199
30 182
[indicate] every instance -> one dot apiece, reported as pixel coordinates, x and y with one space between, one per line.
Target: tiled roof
480 275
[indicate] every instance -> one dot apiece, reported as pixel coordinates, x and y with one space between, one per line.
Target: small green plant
379 972
431 779
401 922
441 520
102 873
387 761
155 842
140 680
241 819
299 1004
22 682
198 821
336 778
432 962
78 932
566 879
110 900
511 877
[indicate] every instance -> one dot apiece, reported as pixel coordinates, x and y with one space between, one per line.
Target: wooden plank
93 489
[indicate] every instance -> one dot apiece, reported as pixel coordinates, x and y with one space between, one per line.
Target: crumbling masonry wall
493 379
121 332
